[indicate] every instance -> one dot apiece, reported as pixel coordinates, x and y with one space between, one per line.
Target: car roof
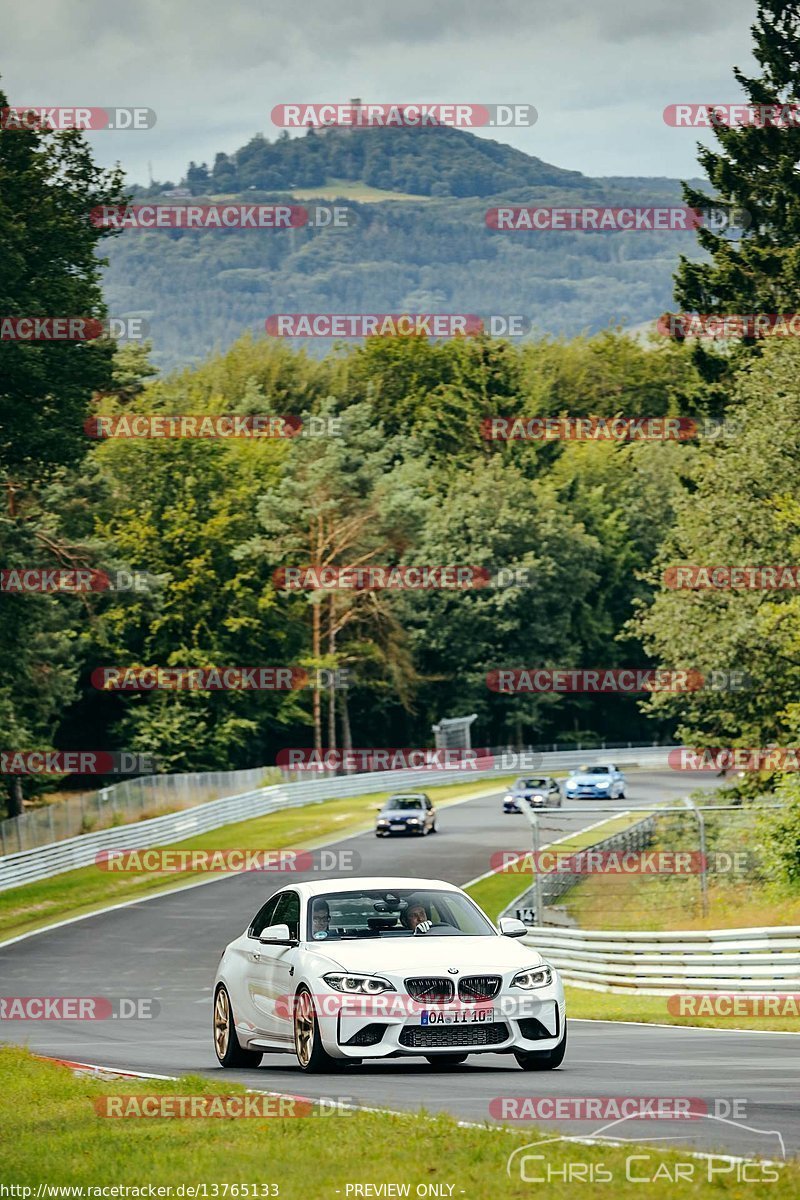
319 887
408 796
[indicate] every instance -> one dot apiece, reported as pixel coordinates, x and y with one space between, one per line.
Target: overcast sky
599 74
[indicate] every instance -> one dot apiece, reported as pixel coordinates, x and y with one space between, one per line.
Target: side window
263 917
288 913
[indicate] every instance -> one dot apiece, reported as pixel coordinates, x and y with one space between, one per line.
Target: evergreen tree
755 168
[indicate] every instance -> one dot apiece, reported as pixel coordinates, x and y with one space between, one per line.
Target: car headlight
507 798
536 977
603 783
362 985
413 820
383 820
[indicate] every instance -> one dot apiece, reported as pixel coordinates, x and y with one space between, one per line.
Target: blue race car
599 782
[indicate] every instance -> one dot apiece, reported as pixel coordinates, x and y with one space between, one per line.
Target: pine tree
755 168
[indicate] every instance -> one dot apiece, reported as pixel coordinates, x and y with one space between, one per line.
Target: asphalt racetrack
168 948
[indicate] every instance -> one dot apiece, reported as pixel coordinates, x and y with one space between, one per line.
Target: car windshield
530 783
597 771
381 913
404 802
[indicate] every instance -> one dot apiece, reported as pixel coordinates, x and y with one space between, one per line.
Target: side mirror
378 808
277 935
511 927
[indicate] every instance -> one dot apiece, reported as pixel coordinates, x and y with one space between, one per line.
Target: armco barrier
45 861
660 964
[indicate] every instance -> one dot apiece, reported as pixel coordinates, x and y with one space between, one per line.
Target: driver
320 917
416 917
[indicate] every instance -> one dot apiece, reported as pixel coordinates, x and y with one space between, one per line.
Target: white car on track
349 969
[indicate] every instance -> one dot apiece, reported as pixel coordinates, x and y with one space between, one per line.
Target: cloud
599 75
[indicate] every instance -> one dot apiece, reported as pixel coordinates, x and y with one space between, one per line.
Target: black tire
433 827
226 1043
445 1061
311 1055
622 796
547 1061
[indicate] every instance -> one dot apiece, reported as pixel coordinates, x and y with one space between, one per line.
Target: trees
740 508
48 187
340 502
756 168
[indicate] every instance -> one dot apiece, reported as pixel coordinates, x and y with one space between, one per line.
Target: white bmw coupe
351 969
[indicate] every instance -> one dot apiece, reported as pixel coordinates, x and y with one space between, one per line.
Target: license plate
397 826
462 1016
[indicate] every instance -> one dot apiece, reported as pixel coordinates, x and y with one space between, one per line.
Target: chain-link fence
686 866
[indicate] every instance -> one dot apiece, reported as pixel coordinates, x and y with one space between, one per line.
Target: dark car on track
406 812
539 791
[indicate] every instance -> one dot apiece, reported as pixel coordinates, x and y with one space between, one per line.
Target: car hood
401 813
589 780
524 792
428 955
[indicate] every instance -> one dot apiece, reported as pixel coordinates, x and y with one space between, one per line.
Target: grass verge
652 1010
496 891
87 889
54 1136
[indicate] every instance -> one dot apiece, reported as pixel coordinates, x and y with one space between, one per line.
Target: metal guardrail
136 798
659 964
124 802
45 861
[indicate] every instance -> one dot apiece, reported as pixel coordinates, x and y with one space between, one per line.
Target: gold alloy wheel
221 1023
303 1028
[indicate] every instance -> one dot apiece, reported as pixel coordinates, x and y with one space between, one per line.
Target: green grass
498 890
52 1134
343 189
74 893
606 1006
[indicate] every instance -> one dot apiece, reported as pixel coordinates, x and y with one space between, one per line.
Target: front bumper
520 1021
402 827
590 793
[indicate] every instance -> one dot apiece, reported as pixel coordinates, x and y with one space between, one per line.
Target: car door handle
256 956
